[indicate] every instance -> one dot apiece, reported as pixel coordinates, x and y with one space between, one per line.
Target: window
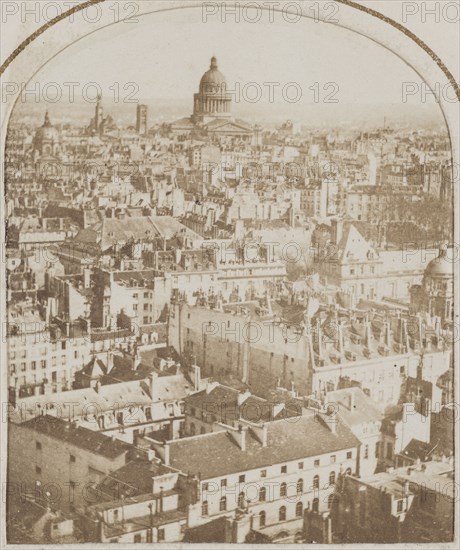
161 535
315 505
366 451
192 429
349 454
38 445
332 478
262 519
298 509
282 513
38 470
283 489
316 482
263 473
204 508
316 463
284 469
262 494
333 459
300 465
204 486
241 478
399 506
33 365
299 486
72 458
137 538
241 500
43 363
223 504
23 367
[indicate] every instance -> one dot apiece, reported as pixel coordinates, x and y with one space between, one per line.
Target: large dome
47 132
213 79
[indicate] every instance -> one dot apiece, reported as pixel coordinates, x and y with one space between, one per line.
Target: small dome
440 267
212 78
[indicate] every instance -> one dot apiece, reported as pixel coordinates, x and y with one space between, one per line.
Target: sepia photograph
229 287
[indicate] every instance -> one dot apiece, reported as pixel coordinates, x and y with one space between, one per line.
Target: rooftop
83 438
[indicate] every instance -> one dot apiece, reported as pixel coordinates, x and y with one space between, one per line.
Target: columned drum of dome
212 101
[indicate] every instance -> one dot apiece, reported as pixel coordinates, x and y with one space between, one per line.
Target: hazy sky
166 53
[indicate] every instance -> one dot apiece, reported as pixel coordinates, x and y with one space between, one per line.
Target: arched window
192 429
263 494
332 478
241 500
223 504
262 519
282 513
315 505
298 509
204 508
316 482
283 489
203 430
299 486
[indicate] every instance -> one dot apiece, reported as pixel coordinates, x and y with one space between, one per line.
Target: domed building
436 293
47 140
212 100
212 107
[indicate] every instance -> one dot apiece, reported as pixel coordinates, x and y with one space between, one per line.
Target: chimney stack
337 231
239 436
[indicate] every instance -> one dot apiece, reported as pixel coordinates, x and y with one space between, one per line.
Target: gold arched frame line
349 3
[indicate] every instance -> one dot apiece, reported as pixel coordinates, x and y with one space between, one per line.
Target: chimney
196 377
87 278
239 436
339 337
351 400
337 231
319 336
260 432
330 419
387 333
166 454
406 488
153 383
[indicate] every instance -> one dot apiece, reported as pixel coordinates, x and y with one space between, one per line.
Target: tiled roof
77 436
364 409
299 438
